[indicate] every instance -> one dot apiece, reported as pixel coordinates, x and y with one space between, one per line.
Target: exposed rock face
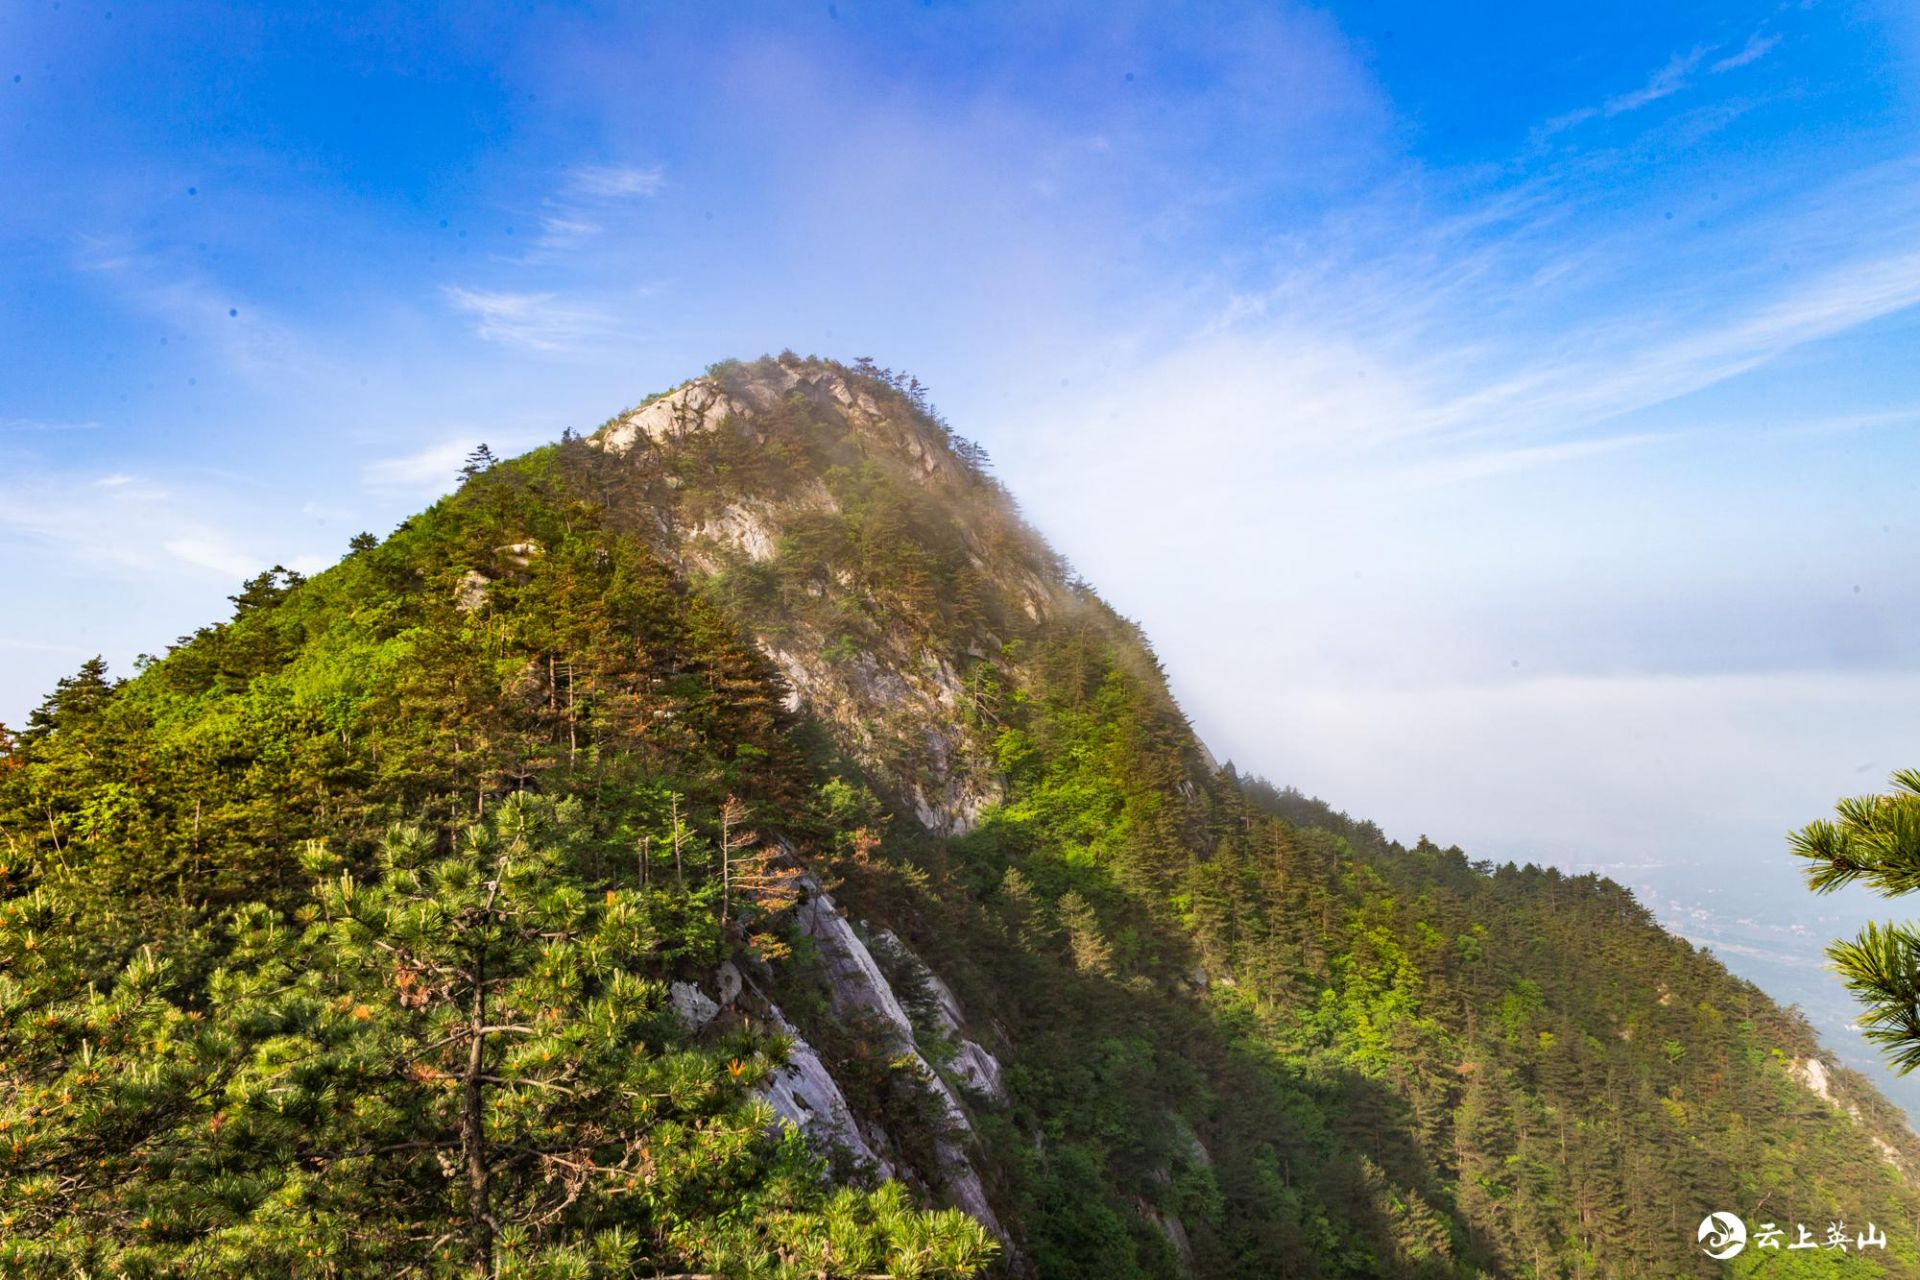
805 1095
857 984
472 591
1812 1073
977 1068
1818 1080
727 983
852 972
691 1005
1175 1232
700 405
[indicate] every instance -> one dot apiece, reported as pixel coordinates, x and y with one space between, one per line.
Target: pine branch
1882 968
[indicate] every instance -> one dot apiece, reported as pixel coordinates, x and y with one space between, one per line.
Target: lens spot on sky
193 191
233 311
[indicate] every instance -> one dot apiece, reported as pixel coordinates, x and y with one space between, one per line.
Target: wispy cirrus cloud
1675 75
561 232
158 557
38 424
220 319
1850 422
431 470
589 198
217 554
1462 468
540 321
1664 83
133 523
434 468
1758 46
616 181
1619 365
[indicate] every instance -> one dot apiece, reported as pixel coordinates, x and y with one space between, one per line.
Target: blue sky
1503 417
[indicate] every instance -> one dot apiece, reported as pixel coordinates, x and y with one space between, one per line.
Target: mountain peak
865 546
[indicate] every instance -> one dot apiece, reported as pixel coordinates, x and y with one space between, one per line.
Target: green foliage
249 1025
1091 951
1875 839
459 1066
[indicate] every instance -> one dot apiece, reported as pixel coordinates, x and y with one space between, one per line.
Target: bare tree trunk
679 872
473 1134
726 859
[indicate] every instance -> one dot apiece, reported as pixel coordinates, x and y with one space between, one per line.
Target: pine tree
460 1066
757 881
74 698
478 462
1876 839
1092 953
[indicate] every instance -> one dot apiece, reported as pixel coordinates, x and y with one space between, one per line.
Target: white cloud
589 199
1621 365
426 472
1465 467
544 322
1853 422
616 182
130 522
37 424
242 335
565 232
157 558
215 554
1756 48
1664 83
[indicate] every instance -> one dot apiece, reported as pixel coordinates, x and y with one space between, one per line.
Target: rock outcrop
857 984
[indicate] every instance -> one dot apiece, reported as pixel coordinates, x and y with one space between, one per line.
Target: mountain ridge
1014 939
